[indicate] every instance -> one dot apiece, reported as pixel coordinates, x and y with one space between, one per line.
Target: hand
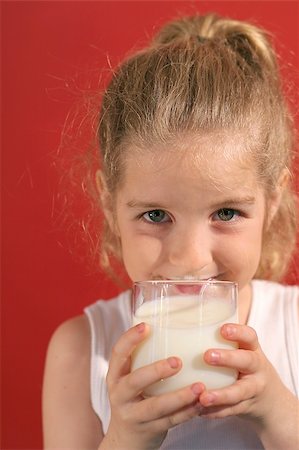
138 422
258 393
252 393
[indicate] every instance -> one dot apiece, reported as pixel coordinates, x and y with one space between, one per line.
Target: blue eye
227 214
156 216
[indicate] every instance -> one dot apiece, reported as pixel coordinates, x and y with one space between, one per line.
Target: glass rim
182 281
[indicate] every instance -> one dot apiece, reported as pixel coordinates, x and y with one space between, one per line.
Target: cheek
240 250
141 255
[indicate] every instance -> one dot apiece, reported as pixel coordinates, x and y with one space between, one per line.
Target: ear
276 194
106 200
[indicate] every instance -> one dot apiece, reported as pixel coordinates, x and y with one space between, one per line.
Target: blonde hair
199 74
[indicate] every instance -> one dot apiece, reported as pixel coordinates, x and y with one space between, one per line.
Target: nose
190 252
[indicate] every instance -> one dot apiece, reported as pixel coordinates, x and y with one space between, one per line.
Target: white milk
186 327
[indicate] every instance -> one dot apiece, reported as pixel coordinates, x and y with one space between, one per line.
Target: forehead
221 159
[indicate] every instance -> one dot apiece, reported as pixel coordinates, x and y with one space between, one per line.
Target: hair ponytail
250 42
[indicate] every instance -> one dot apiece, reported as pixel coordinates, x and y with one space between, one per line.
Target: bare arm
68 418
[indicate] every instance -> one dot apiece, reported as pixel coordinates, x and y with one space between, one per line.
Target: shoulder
66 387
71 338
68 356
120 303
275 290
109 318
67 360
272 299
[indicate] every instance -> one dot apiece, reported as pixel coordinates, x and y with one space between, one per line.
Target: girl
195 139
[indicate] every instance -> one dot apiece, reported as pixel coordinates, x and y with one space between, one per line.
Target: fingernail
209 399
196 388
230 330
173 362
214 356
140 327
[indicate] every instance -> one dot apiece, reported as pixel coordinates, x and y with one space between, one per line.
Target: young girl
195 139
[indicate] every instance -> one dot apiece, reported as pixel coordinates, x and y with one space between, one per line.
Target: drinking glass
185 318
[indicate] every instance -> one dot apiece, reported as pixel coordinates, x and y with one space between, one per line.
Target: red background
44 44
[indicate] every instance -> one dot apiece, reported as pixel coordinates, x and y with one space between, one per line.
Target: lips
185 285
188 289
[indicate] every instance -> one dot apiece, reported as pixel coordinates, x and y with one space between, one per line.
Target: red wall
45 43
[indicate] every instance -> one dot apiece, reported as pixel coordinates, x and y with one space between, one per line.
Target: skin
211 218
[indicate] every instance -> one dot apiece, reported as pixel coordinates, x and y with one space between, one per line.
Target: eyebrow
237 201
149 205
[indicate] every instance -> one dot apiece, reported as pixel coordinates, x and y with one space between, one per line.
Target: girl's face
184 215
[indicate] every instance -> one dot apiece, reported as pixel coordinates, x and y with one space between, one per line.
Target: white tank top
274 316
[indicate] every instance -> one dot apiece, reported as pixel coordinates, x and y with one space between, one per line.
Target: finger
244 361
240 391
133 384
120 360
177 418
180 401
243 334
218 412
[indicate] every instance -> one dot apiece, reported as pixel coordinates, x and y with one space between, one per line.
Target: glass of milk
185 318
